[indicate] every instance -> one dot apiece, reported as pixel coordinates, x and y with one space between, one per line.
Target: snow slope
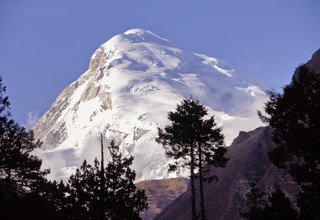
132 82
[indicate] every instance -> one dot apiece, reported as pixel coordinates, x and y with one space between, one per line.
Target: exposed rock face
248 162
314 63
160 193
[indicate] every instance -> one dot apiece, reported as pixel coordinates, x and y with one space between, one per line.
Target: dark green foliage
22 182
295 119
17 165
194 142
47 201
308 201
118 198
55 194
277 208
280 207
190 129
255 197
28 206
84 193
255 204
126 201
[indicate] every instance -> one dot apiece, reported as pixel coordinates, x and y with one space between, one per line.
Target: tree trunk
193 193
203 210
9 175
103 182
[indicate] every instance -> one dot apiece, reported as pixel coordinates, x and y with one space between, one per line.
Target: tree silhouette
255 204
277 208
126 201
106 193
280 207
55 195
306 201
194 142
21 179
84 197
295 119
17 165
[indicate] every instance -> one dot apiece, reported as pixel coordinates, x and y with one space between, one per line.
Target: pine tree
55 194
21 178
84 200
278 206
255 204
17 165
193 142
105 193
295 119
125 199
308 201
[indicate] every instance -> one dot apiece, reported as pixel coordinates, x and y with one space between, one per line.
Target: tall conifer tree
125 199
278 206
194 142
23 186
295 119
98 192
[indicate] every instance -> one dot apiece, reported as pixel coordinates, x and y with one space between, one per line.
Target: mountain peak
137 35
132 39
138 31
133 81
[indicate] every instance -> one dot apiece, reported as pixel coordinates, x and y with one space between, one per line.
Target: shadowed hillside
248 163
160 193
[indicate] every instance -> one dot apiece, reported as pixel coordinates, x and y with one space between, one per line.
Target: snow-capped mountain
132 82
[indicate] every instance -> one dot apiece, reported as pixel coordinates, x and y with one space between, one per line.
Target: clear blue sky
46 44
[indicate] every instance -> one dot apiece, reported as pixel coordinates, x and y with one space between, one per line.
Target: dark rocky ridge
314 63
248 162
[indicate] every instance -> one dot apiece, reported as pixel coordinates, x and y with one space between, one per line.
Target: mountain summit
132 82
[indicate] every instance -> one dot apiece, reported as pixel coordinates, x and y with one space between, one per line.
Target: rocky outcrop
314 63
248 163
53 131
